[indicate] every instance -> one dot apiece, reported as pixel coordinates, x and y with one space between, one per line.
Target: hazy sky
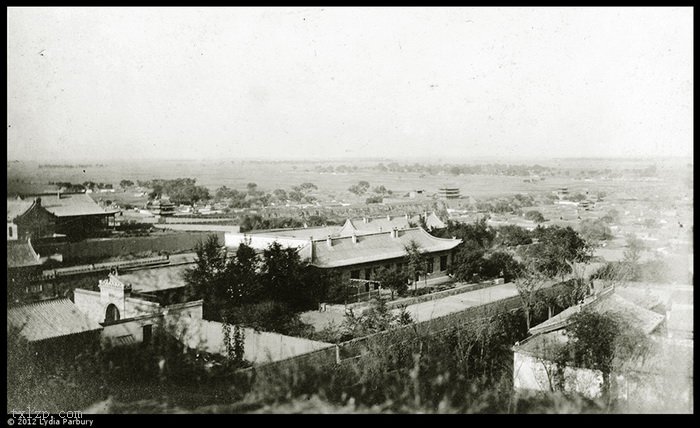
121 83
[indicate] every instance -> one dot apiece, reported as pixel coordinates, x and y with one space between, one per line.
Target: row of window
430 268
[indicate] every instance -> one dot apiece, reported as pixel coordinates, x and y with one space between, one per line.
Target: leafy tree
415 261
613 273
205 280
308 186
594 231
502 264
633 254
282 278
577 197
612 216
180 190
336 289
380 190
360 188
556 249
377 318
280 195
236 199
602 341
241 276
296 195
374 200
535 216
469 263
124 184
478 232
511 236
392 279
529 282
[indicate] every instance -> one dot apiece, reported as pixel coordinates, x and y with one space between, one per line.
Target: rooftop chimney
58 194
329 241
365 220
354 238
380 228
395 232
406 215
388 218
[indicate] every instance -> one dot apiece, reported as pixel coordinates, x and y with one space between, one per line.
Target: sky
301 83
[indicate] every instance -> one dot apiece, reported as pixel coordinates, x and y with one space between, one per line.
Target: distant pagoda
448 192
161 206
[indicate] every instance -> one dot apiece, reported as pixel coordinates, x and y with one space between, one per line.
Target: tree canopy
555 249
179 190
262 291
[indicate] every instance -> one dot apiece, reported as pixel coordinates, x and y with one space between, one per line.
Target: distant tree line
488 252
250 222
252 197
180 190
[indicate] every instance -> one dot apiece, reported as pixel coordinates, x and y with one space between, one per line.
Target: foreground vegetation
467 369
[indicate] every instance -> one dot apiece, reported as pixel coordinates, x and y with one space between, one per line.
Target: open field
273 175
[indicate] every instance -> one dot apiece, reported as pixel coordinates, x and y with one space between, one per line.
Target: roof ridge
435 237
42 303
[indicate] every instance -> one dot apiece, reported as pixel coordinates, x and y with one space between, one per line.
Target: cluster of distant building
128 307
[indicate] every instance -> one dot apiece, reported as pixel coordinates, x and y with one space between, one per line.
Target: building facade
360 256
27 219
448 192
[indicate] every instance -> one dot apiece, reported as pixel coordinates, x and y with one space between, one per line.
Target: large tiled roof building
46 215
358 256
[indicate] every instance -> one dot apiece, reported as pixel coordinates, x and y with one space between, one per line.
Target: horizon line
445 159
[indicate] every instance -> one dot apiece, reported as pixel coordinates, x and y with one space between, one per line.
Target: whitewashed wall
533 374
258 242
259 347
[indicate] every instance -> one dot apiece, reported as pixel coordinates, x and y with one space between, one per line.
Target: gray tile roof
17 207
73 204
300 233
608 301
50 319
373 247
21 254
157 279
373 225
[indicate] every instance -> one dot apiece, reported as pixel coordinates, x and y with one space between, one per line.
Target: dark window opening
112 313
147 334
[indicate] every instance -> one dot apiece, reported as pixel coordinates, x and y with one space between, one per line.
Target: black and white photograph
348 210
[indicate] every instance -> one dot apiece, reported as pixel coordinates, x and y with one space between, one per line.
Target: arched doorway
112 313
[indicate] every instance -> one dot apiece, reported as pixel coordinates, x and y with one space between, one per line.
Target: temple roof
17 207
72 204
